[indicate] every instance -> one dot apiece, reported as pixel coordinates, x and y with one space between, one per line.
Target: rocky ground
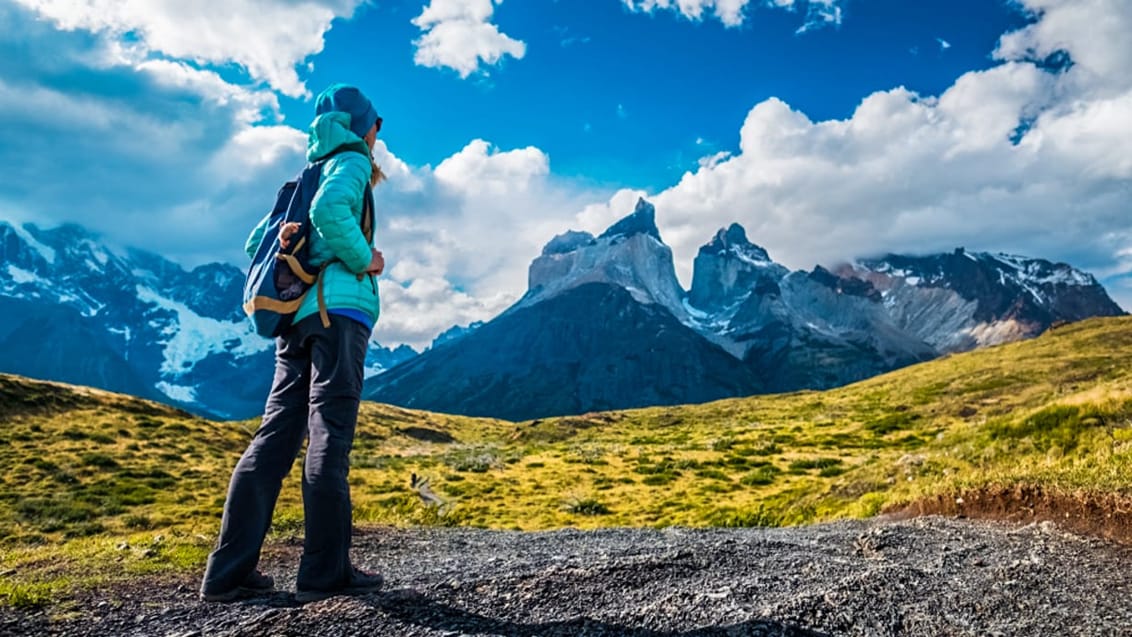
925 576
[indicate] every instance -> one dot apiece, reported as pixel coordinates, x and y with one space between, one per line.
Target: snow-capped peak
729 267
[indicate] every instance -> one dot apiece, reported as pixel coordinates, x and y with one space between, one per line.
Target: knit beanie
348 99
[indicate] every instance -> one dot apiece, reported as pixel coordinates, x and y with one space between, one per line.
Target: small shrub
723 444
139 522
26 595
658 479
98 460
587 506
735 518
84 529
767 450
287 522
1055 426
891 422
587 455
805 464
761 476
473 459
713 474
44 465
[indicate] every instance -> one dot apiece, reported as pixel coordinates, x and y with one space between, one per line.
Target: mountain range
604 324
79 311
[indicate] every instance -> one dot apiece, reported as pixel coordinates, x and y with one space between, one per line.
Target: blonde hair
377 175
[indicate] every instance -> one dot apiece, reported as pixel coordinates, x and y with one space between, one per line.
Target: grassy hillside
119 485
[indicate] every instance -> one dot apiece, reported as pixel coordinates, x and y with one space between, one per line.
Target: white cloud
252 106
267 38
170 157
819 13
905 172
943 44
479 168
912 173
458 34
1094 32
458 247
254 148
732 13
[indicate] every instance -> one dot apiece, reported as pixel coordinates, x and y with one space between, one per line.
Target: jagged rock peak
734 238
641 221
568 242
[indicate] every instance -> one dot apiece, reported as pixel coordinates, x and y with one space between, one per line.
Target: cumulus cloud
155 152
479 168
458 34
459 244
1020 158
267 38
732 13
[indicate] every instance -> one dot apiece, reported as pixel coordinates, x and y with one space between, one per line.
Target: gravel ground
926 576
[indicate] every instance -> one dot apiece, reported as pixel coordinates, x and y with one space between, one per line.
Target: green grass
89 470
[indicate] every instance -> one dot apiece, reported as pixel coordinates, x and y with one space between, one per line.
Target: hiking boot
361 583
254 585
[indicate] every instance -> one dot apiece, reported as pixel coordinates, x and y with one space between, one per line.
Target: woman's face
371 137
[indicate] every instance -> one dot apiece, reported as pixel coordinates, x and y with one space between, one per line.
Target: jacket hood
330 132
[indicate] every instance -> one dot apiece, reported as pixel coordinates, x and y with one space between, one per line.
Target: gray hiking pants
315 394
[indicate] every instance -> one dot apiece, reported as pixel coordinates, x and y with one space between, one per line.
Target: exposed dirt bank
1103 515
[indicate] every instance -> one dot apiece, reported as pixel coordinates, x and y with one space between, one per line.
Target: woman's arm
251 246
332 210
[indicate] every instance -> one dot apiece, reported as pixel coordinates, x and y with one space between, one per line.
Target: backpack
279 279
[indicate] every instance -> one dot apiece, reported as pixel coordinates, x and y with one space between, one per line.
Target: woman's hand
285 233
376 262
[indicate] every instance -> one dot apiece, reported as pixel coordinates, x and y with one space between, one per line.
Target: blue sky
831 129
621 98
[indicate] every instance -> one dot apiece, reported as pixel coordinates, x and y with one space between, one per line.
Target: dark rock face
728 268
642 221
1007 287
590 348
629 255
961 300
568 242
788 331
51 342
846 285
817 332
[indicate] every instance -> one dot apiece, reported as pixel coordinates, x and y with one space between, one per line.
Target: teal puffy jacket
336 214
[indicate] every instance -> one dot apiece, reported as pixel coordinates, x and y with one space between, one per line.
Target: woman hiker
319 369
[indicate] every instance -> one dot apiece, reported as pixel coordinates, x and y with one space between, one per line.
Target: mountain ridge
163 332
791 330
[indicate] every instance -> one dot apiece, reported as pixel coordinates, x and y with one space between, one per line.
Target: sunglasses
378 124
